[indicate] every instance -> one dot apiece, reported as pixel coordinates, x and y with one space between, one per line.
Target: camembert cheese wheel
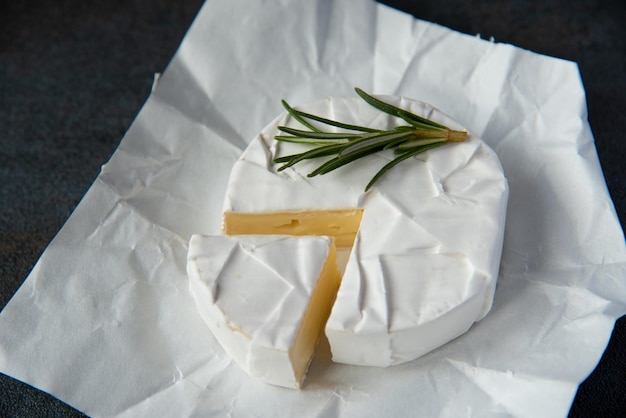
266 299
423 244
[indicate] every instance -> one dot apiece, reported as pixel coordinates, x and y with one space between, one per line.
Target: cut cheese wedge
266 299
425 257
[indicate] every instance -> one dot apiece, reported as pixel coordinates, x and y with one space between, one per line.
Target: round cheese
426 247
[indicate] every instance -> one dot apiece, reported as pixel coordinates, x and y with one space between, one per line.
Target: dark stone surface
74 74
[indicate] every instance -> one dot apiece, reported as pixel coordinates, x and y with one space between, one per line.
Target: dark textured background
73 76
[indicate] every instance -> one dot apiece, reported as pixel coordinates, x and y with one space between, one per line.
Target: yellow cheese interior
341 224
315 317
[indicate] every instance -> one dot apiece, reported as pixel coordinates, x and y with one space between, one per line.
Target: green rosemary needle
354 142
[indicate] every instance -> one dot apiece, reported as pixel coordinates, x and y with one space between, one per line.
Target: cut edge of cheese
341 224
259 355
315 317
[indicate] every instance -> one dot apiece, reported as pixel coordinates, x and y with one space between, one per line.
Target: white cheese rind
425 261
252 292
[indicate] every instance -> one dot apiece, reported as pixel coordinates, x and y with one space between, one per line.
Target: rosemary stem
456 136
418 136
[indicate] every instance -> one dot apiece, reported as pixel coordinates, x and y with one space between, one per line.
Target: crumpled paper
106 323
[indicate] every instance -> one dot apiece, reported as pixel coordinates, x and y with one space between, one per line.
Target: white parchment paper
106 323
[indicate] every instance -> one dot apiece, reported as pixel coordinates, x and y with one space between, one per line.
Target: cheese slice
266 299
424 261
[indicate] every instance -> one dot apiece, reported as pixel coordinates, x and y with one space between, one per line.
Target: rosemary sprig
355 141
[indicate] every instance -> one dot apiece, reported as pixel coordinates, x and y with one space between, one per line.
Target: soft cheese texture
266 299
425 259
343 224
